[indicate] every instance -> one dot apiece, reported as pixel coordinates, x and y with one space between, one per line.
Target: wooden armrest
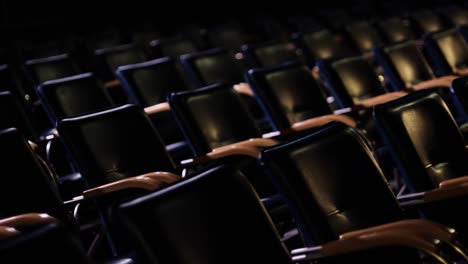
149 181
316 72
33 145
157 108
445 81
250 147
462 71
424 228
29 219
112 84
365 242
378 240
7 232
453 182
244 88
322 120
446 192
380 99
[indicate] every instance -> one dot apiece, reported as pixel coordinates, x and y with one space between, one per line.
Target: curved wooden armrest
445 81
149 181
33 145
111 84
29 219
322 120
424 228
244 88
250 147
157 108
7 232
380 99
444 193
378 240
453 182
462 71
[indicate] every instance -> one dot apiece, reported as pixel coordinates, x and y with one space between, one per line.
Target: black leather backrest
356 79
364 36
186 223
453 48
109 59
332 183
409 63
395 30
424 138
114 144
150 82
173 47
212 117
324 45
51 243
12 114
274 54
26 185
72 96
51 68
212 66
427 21
288 93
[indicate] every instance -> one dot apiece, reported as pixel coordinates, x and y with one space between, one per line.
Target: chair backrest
350 79
186 223
114 144
424 139
322 44
270 54
331 182
448 51
148 83
52 243
288 94
12 114
51 68
27 184
212 117
426 21
394 30
172 47
72 96
109 59
364 36
455 15
211 66
404 65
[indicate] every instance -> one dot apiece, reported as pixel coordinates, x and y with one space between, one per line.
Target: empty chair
352 82
313 176
363 36
290 95
148 84
172 47
212 66
427 146
395 29
321 44
109 59
28 184
72 96
455 15
426 21
230 36
270 54
406 68
184 224
50 68
114 144
448 52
